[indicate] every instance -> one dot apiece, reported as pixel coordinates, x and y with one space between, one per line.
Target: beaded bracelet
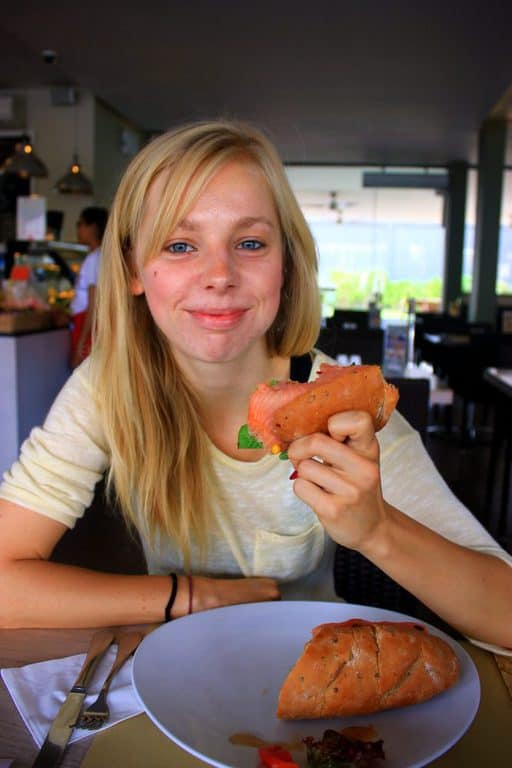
168 607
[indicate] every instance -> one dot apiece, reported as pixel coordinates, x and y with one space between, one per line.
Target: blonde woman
208 287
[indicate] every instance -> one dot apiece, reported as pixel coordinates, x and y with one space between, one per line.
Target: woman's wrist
168 613
180 601
378 544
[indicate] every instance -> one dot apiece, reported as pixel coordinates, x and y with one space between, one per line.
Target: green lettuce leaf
246 440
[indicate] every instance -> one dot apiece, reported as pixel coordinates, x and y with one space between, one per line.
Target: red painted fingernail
294 475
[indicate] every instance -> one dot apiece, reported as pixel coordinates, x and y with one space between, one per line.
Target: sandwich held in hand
359 667
282 411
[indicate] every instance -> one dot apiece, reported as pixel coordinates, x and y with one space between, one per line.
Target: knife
50 754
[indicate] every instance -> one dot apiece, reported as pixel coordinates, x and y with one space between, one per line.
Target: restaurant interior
401 121
386 115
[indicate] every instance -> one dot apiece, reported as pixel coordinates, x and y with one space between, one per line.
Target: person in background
208 286
90 229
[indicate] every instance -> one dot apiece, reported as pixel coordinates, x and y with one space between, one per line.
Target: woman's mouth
217 319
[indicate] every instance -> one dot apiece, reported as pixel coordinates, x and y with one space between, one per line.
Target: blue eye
251 245
179 247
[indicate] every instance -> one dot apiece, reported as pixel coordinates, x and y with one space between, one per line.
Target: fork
98 713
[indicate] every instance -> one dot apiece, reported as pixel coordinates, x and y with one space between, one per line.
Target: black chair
504 351
414 401
465 373
434 323
504 321
368 343
460 359
357 580
349 319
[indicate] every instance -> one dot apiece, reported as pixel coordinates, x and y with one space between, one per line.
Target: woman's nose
220 271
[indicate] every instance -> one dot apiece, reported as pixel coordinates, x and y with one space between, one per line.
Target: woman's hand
344 488
214 593
467 588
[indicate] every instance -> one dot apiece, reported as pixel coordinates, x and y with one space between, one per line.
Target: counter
33 368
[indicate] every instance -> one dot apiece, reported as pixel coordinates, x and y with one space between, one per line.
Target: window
504 276
374 243
504 266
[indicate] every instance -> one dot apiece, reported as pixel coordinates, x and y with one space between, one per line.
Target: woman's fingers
355 428
350 446
348 477
338 476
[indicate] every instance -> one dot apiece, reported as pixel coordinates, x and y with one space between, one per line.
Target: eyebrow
247 221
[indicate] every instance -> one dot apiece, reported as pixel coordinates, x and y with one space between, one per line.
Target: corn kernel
275 449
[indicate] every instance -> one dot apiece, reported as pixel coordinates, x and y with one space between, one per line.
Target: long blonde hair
160 463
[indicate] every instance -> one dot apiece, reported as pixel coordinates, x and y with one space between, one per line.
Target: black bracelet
168 607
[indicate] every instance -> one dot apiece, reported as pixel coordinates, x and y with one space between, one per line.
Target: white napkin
39 690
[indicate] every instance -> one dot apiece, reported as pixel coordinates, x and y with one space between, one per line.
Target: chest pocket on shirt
288 557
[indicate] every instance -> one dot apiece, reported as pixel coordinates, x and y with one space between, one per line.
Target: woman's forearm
39 593
470 590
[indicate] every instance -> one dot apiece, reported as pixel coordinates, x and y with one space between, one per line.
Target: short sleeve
62 460
90 269
412 484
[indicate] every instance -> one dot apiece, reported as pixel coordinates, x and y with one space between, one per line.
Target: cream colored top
262 529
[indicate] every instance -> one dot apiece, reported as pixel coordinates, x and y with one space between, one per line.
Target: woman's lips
220 319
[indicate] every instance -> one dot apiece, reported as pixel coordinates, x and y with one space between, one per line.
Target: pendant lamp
74 182
24 162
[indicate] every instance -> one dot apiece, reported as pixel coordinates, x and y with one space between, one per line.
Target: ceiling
366 81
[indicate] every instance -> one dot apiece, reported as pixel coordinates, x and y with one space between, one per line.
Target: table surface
448 339
501 378
137 742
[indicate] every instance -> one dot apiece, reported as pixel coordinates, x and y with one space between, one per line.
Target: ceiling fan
333 204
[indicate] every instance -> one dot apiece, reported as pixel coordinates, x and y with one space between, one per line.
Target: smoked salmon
280 412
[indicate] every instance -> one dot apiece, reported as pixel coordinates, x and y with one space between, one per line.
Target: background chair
414 401
465 372
460 359
349 319
504 347
504 321
357 580
434 323
368 343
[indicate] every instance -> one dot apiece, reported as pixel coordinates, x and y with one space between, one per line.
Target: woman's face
214 288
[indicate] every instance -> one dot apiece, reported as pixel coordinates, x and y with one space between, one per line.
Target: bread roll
359 667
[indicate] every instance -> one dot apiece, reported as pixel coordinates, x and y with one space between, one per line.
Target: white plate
205 677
